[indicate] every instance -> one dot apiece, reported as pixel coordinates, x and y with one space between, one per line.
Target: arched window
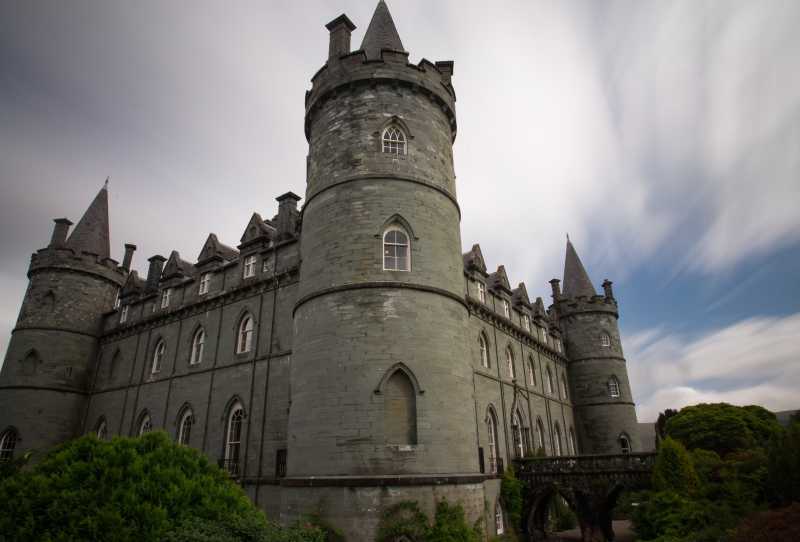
624 443
245 337
233 440
102 429
563 387
540 435
613 386
517 434
484 348
399 410
491 429
573 448
198 341
393 140
158 355
116 360
145 425
499 526
510 363
531 372
185 426
549 381
605 339
8 441
396 250
557 439
30 363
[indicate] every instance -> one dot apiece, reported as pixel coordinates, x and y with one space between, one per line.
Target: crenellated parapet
568 306
67 259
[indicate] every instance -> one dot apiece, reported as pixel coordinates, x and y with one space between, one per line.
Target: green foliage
329 532
402 519
723 428
241 529
661 422
129 489
781 525
783 467
11 467
673 470
561 518
511 498
450 525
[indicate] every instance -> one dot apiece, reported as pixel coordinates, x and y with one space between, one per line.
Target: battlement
567 306
78 261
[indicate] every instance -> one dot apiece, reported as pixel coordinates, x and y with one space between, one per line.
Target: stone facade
321 380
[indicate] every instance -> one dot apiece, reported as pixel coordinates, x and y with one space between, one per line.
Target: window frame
8 443
394 140
166 293
198 346
614 390
624 444
249 266
483 347
531 372
159 352
145 424
506 308
510 363
385 243
499 522
605 340
205 283
549 381
185 426
517 434
492 442
102 429
526 322
233 448
123 314
244 335
481 292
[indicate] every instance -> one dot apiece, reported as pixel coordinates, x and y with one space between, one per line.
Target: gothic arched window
499 526
557 439
605 340
396 250
393 140
399 410
518 434
549 381
8 441
540 435
244 340
510 363
573 447
185 426
158 355
484 348
102 429
563 387
198 342
233 440
491 429
624 444
145 424
531 373
613 386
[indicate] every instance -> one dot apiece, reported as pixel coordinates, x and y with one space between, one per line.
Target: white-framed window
158 355
539 435
185 427
563 387
557 439
613 386
198 343
491 429
506 309
8 441
244 340
517 432
145 425
123 315
510 363
117 299
531 373
102 429
393 140
233 439
396 250
605 340
543 332
526 322
499 526
249 268
549 382
484 349
481 292
624 444
205 281
165 295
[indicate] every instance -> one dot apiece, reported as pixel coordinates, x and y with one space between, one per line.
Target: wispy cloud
755 361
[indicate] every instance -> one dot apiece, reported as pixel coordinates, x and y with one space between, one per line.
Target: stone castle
344 357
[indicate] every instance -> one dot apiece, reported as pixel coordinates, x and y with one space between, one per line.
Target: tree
661 422
673 470
130 489
783 467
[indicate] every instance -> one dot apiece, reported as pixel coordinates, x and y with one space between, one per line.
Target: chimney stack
340 28
60 230
288 215
607 289
126 261
154 272
555 284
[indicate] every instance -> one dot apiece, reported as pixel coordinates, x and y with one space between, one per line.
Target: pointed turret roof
381 33
576 279
91 233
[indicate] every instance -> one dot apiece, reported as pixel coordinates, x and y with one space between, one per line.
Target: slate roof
381 33
177 267
212 248
91 233
576 280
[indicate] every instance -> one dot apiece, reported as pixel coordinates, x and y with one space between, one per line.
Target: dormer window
393 141
123 315
249 269
205 281
526 322
165 298
396 250
507 309
482 292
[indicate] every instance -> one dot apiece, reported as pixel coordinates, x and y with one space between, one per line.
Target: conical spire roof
91 233
381 33
576 279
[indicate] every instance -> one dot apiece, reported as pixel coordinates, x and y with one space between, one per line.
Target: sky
664 137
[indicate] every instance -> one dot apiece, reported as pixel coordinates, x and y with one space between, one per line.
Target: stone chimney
60 231
555 285
288 215
607 289
126 260
340 28
154 272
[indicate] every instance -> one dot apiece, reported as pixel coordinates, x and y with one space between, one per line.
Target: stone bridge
590 484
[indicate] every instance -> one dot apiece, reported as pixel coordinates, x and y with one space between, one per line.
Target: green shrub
450 525
561 517
783 467
511 499
673 470
402 519
781 525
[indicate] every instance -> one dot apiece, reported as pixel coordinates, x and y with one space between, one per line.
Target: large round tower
379 377
45 376
601 394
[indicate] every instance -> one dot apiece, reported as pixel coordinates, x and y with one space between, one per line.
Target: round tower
45 376
379 378
601 393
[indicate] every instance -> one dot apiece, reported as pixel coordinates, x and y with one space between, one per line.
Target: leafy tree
781 525
661 422
131 489
450 525
673 470
783 467
723 428
511 497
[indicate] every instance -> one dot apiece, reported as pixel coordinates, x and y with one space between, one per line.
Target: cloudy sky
663 136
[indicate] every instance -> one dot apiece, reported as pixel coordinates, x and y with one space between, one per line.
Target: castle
344 357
